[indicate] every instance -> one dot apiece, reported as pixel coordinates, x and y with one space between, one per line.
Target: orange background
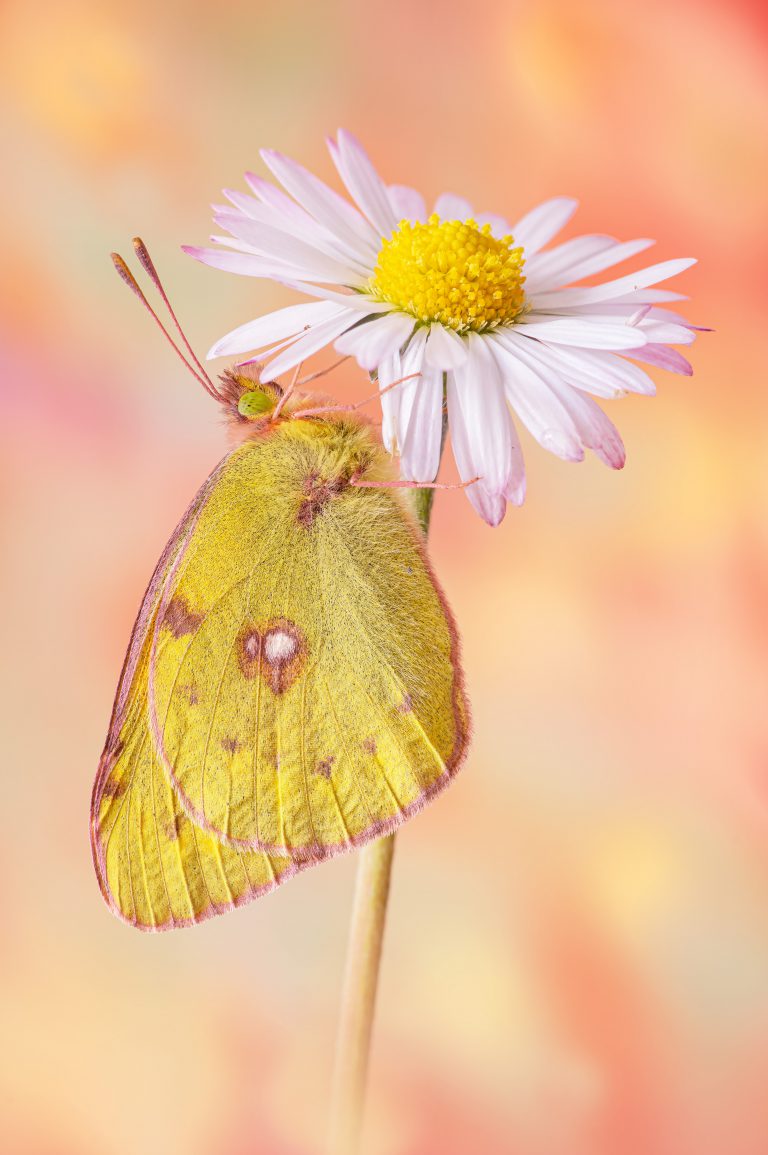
577 955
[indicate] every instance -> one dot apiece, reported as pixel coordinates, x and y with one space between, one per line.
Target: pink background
577 957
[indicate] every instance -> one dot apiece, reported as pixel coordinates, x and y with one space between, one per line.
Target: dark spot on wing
231 744
316 495
406 705
179 618
369 745
324 767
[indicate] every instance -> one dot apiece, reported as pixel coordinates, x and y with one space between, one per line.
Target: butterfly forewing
304 686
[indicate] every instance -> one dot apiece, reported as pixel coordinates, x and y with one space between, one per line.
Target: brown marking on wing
232 745
113 788
406 705
324 767
190 693
369 745
277 650
317 493
171 827
179 618
249 646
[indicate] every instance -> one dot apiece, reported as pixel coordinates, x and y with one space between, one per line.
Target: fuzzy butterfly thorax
343 444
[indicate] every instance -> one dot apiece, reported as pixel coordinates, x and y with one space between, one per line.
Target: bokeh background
576 960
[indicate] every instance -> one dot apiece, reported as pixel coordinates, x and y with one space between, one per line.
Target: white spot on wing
279 646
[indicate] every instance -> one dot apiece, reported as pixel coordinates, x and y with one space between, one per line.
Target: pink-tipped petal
596 431
542 413
246 264
476 398
664 358
363 181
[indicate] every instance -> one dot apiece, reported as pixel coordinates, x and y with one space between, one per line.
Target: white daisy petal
317 338
420 459
445 348
540 225
360 302
582 333
556 262
526 387
452 208
363 182
373 341
478 393
397 404
411 362
276 326
298 224
323 203
613 289
389 371
407 204
557 273
274 243
649 297
660 333
601 373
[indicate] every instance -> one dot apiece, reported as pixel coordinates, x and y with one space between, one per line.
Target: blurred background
576 959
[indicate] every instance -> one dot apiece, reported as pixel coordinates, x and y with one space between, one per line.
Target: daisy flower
487 316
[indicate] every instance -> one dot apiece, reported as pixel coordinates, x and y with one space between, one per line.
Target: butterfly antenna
128 278
142 252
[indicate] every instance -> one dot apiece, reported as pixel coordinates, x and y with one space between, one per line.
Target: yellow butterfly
292 688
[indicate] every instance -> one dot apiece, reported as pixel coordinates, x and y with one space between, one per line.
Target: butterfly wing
157 870
305 693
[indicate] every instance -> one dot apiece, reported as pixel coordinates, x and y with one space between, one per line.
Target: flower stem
361 978
359 995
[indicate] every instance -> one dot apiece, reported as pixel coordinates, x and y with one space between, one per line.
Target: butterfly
292 687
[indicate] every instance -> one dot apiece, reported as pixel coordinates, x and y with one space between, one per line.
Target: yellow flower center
451 272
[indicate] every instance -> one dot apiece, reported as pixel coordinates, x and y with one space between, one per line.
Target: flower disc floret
454 273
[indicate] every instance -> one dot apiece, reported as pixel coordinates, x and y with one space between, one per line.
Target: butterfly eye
255 404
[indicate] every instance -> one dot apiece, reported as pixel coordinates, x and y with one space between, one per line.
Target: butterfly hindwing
304 686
